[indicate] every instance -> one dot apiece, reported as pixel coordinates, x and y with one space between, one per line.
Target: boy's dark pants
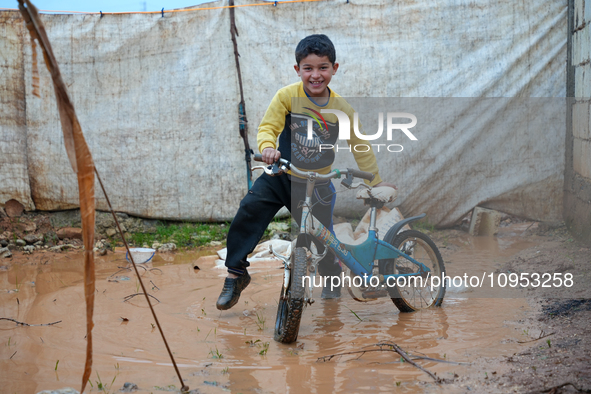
257 209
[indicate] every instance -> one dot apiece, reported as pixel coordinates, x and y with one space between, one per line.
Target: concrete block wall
577 198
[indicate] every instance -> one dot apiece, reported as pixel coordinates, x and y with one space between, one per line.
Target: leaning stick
405 356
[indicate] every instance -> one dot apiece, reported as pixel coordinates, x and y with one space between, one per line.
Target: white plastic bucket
140 255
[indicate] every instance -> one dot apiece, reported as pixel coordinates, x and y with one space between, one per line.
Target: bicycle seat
382 194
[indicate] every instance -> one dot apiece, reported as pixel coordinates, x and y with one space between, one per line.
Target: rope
242 121
173 11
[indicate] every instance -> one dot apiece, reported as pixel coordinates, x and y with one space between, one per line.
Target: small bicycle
399 267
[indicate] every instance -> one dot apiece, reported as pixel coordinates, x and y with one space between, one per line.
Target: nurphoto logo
345 129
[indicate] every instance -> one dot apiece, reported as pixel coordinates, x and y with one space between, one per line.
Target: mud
234 350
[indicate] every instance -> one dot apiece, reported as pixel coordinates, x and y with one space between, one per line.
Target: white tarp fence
157 98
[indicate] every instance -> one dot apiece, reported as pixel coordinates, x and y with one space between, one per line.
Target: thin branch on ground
155 287
392 347
405 356
120 269
540 337
423 356
20 323
129 297
524 231
415 357
129 269
361 352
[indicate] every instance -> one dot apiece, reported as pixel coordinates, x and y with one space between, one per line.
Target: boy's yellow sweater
285 124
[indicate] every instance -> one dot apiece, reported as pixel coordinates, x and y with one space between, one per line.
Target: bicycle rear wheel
416 293
291 301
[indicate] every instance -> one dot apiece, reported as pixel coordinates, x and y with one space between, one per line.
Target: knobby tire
426 299
291 302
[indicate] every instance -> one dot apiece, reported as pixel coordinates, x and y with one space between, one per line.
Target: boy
286 121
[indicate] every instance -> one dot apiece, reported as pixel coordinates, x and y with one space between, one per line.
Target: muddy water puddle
234 350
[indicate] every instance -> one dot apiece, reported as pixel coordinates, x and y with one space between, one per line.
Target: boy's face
316 73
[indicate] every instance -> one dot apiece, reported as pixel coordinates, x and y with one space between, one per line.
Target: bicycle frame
359 258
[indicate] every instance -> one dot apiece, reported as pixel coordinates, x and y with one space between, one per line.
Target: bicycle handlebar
304 174
361 174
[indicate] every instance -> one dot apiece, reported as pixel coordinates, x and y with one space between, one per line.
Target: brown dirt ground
559 361
559 327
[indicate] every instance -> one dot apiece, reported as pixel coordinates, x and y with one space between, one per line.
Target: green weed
56 363
103 387
252 343
423 225
265 348
184 235
360 319
216 354
260 321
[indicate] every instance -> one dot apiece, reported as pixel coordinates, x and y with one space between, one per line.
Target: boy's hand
271 155
386 184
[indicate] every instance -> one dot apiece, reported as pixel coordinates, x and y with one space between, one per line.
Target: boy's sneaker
231 291
328 294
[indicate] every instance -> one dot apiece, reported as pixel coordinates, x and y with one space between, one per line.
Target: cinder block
582 157
576 54
584 44
579 12
579 74
587 81
485 221
581 120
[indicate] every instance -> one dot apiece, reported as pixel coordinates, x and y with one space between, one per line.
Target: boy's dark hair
318 44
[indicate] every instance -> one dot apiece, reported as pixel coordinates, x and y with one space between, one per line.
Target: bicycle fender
396 228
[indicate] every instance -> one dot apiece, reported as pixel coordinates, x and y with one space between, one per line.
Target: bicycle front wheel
414 292
291 301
